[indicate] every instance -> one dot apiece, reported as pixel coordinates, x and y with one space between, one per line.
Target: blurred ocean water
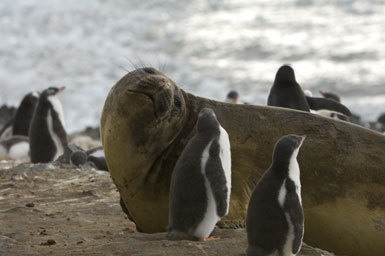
206 47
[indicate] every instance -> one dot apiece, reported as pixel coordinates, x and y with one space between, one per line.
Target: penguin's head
287 147
330 95
207 121
30 99
33 95
232 97
52 91
285 74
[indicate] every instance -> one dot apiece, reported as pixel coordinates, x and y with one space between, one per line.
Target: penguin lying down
15 147
94 156
287 93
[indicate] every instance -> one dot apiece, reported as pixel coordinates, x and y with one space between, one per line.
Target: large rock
147 120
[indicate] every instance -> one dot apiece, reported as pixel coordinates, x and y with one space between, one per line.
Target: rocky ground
51 210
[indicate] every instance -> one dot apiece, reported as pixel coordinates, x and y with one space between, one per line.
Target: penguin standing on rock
47 134
201 182
275 221
287 93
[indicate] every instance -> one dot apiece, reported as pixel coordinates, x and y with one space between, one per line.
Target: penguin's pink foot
210 238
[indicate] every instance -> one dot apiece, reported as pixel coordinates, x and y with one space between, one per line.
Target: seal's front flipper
125 210
316 103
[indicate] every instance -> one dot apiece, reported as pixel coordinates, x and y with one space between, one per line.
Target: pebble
49 242
30 205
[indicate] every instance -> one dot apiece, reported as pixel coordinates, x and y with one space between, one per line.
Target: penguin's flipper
99 162
293 207
59 129
6 131
217 179
317 103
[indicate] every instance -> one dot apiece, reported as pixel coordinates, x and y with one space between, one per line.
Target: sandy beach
60 210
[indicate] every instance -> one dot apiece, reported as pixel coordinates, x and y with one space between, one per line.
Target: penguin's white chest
225 155
58 145
210 218
19 151
288 246
98 153
294 175
58 108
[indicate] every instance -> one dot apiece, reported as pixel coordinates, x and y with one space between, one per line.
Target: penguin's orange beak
322 93
61 89
303 138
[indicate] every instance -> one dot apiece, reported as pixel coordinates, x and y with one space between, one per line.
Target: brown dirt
46 210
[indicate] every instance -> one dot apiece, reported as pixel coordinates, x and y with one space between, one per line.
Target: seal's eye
177 102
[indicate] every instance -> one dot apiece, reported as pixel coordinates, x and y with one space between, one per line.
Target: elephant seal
147 120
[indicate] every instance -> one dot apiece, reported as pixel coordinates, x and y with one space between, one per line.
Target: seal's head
143 114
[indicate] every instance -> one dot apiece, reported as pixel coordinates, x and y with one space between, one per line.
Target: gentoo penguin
6 118
47 134
16 147
232 97
24 114
308 93
78 158
336 98
287 93
330 95
96 156
201 181
381 121
19 124
6 131
275 221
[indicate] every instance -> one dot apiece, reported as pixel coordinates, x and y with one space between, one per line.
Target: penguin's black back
381 119
264 204
331 96
188 199
286 92
24 114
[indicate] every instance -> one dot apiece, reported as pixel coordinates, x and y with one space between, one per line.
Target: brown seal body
147 120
